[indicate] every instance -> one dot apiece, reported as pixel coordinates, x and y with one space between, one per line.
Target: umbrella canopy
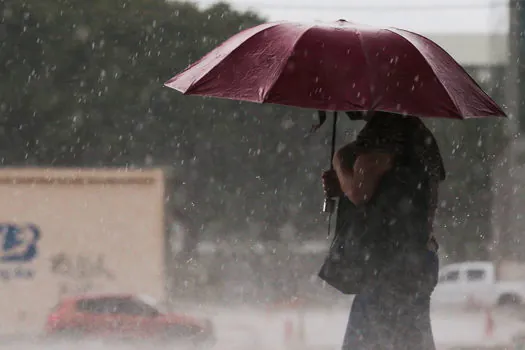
339 66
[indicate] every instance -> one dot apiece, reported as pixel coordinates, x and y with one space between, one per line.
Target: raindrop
81 33
287 123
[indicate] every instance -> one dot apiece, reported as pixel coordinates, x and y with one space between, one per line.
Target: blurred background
136 188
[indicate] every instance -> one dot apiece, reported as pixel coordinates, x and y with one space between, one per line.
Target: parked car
124 317
476 283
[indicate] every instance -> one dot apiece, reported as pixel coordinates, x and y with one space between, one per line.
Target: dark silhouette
384 250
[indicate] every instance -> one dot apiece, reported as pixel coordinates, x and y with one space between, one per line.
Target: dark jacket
384 242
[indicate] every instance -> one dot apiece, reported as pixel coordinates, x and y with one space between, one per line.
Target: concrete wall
77 231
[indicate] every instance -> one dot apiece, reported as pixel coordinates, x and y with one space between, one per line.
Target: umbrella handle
329 203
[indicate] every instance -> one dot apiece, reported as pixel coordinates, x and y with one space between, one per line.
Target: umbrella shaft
334 132
329 203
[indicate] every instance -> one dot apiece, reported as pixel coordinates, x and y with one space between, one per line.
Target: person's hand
331 185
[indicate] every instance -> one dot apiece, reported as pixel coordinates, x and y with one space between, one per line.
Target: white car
476 283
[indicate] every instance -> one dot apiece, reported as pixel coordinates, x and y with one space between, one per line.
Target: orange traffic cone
489 323
288 331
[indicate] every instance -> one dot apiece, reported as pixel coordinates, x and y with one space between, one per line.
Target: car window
476 275
86 306
128 306
136 308
449 276
98 306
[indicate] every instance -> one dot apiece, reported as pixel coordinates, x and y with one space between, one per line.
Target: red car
123 316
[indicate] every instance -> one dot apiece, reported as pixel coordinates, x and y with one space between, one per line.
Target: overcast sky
425 16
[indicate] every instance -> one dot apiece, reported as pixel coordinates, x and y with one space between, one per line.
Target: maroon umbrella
340 66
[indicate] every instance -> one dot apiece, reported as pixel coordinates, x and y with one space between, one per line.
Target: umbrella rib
481 90
369 71
431 68
195 83
283 65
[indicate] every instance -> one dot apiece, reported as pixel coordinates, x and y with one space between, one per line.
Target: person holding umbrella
390 311
387 179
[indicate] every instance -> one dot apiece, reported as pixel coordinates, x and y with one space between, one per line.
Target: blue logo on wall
18 246
19 242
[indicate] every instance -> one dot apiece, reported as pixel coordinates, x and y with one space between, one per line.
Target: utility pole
517 57
504 209
517 60
515 68
515 72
